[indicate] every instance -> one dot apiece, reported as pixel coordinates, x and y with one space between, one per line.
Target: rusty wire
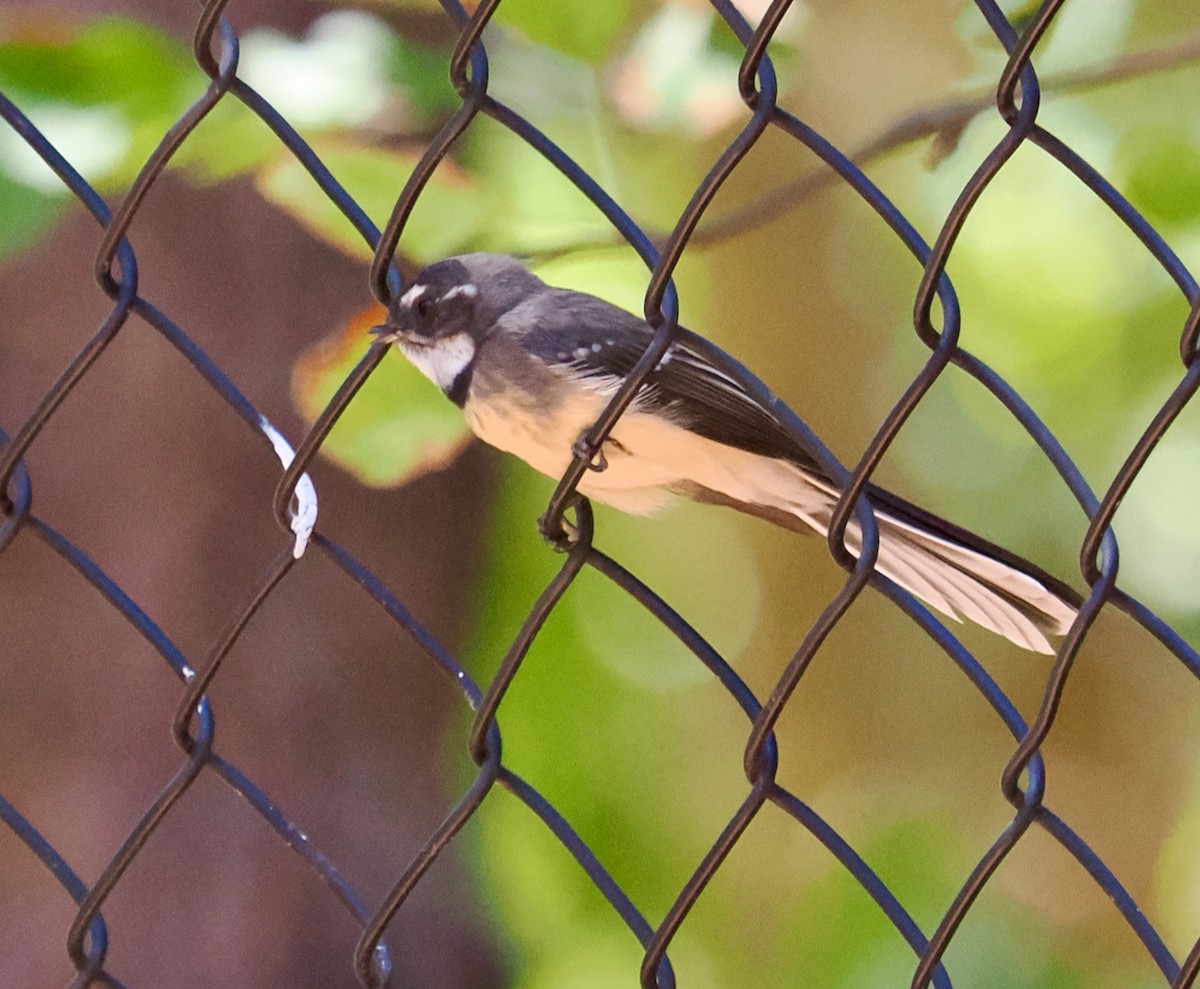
1023 782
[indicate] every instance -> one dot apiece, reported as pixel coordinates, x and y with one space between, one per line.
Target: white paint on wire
304 512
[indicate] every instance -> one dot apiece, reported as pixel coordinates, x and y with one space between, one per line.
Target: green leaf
103 95
909 855
1078 37
114 61
398 426
1164 176
531 207
230 141
25 214
1162 563
424 74
636 646
446 217
586 31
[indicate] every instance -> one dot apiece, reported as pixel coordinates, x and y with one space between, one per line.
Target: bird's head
458 296
450 307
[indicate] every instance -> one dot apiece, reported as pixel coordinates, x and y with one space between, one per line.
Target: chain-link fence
200 669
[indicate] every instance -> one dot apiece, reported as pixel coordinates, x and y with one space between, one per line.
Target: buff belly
646 456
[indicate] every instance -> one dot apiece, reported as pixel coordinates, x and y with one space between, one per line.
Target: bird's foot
561 533
582 448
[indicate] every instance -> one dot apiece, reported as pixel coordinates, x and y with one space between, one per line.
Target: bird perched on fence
533 366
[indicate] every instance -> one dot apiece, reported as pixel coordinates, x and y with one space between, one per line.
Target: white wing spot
581 353
596 348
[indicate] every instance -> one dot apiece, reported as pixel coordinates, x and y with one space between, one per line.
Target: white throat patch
443 360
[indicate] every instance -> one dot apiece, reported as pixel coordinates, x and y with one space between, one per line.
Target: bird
533 366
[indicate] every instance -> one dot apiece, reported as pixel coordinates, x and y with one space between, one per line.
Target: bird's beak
397 327
385 333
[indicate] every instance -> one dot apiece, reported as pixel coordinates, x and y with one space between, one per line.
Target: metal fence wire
1023 783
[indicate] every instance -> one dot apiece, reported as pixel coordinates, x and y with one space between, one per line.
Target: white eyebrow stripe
469 290
414 293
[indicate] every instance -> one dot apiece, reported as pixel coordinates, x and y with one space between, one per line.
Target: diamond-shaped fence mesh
56 842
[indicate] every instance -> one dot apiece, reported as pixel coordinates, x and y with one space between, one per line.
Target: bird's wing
602 343
953 569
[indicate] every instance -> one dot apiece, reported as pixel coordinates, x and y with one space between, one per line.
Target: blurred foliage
103 93
587 32
446 222
611 718
399 425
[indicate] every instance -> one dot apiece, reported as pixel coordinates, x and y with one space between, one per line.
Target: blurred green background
610 718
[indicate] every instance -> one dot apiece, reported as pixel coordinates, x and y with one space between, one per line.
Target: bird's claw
582 448
562 534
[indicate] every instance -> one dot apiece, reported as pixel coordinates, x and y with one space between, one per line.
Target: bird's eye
424 306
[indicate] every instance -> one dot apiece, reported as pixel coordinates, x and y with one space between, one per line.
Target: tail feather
989 592
956 572
949 568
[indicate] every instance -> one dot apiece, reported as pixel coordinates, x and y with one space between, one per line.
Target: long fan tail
953 570
963 582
